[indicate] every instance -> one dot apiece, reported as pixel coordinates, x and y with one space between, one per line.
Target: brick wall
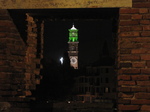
20 62
12 64
134 57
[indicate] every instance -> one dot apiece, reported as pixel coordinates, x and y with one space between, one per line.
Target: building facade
97 84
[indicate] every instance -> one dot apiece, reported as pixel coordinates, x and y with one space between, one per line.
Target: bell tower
73 47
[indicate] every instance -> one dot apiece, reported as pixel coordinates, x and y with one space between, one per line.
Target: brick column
31 52
39 53
134 57
34 52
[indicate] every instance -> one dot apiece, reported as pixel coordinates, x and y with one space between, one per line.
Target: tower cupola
73 34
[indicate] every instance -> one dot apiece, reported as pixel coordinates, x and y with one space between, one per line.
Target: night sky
92 35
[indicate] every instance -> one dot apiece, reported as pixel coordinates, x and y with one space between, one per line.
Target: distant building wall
134 57
98 83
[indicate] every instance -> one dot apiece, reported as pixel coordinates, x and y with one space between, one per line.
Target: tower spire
73 27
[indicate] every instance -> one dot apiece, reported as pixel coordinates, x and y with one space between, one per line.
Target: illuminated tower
73 47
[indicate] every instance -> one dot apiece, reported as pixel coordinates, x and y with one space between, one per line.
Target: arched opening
99 24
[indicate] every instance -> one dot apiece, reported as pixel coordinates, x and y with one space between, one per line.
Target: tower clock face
73 60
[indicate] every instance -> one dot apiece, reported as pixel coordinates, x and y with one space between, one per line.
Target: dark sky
91 35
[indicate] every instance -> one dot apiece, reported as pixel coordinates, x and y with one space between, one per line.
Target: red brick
32 34
37 71
146 16
124 77
140 101
136 28
149 8
27 93
139 51
125 95
143 83
22 53
145 57
146 45
128 44
140 77
125 65
138 64
19 47
136 16
144 22
129 23
142 95
141 5
6 23
147 27
3 17
131 83
148 64
6 69
5 75
141 40
128 107
3 12
34 42
3 63
124 28
125 51
145 107
3 35
138 89
145 34
37 60
4 29
129 34
18 80
128 11
21 104
5 87
124 101
130 58
145 70
27 76
130 71
3 56
15 57
124 17
124 89
18 64
143 10
8 93
148 89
